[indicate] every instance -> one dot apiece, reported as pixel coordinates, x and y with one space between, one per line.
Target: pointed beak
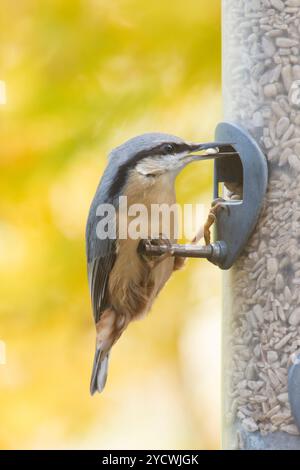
211 150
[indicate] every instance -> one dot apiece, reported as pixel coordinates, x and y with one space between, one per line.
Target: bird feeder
261 326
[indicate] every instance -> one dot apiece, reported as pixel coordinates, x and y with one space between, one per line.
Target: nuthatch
123 285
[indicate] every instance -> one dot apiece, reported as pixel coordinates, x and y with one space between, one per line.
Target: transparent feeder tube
261 334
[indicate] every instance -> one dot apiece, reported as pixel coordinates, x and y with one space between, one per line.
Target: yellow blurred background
81 77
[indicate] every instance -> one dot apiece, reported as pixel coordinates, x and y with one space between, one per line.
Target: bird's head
156 153
152 155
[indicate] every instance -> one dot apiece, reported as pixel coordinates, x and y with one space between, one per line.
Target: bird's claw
154 261
218 200
216 205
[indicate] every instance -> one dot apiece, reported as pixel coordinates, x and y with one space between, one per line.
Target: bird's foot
217 204
162 241
154 261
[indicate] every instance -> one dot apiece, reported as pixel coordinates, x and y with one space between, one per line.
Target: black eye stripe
123 170
164 149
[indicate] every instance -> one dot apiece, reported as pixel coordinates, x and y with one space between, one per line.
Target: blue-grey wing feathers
101 255
98 273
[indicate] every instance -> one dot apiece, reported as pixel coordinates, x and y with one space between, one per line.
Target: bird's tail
99 373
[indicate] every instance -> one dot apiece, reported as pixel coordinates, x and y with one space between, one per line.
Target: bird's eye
167 148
